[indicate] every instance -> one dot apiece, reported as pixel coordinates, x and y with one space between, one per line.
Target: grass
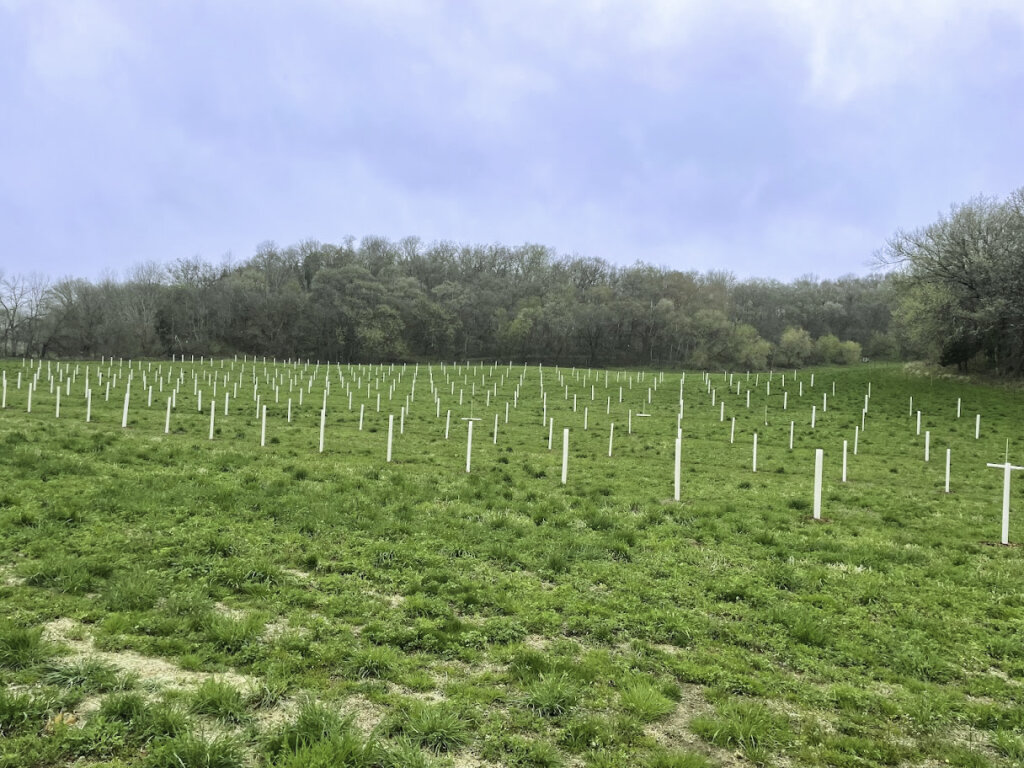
410 613
90 675
21 646
220 700
435 727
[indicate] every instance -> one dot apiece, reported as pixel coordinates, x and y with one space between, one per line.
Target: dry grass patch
158 672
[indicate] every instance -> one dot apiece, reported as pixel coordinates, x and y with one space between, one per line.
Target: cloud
725 134
72 44
854 48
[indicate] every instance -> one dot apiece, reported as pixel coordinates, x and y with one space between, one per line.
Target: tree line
951 292
382 300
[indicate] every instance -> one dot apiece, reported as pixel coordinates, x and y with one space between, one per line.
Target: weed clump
220 700
551 696
22 647
437 727
645 701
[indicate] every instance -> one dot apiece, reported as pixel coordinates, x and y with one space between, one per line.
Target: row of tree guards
370 381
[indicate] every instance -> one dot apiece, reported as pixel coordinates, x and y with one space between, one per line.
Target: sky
769 139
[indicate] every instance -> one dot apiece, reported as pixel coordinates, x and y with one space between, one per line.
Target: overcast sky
770 139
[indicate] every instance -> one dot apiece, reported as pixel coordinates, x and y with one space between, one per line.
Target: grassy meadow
175 600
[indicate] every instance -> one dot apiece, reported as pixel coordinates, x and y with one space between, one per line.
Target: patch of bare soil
159 672
674 731
8 579
366 715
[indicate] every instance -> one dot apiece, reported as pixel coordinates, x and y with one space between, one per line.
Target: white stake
814 415
791 425
263 428
721 411
323 419
927 445
755 452
565 455
919 422
1007 468
947 470
213 410
124 414
57 416
88 406
447 423
391 434
551 432
977 426
469 444
611 438
856 438
586 416
732 431
167 420
844 461
819 460
495 429
679 451
958 407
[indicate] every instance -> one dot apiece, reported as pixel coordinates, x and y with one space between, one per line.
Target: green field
172 600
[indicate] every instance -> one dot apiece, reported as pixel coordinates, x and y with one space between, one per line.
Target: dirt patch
153 671
231 613
284 712
8 579
431 697
275 629
471 761
366 715
674 731
537 642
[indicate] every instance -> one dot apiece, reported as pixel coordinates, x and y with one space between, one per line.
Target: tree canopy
381 300
960 282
